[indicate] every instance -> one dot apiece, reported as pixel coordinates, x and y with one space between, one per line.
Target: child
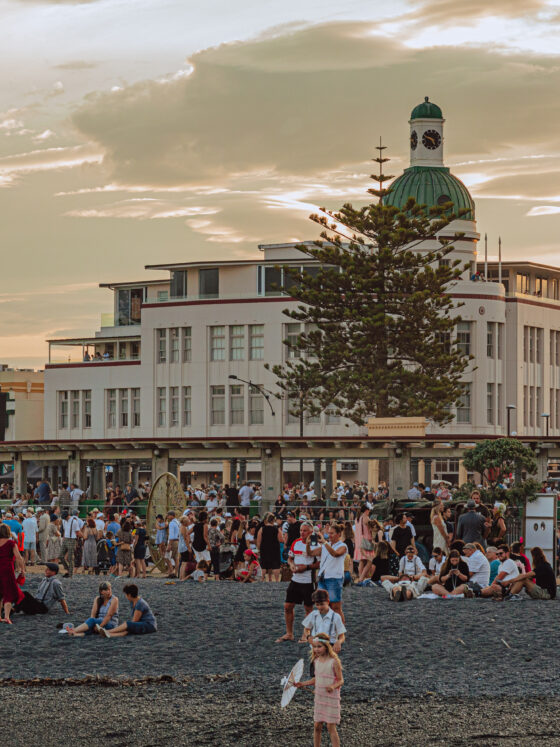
327 681
161 534
252 571
112 548
324 620
201 572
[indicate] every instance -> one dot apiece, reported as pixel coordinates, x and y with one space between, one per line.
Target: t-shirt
147 614
14 525
435 566
50 591
402 537
30 529
494 566
245 495
479 568
332 567
44 491
411 567
544 577
100 525
381 566
454 581
471 527
510 568
331 624
113 526
71 526
298 551
197 575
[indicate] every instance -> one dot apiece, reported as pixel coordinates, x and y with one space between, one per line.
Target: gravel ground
411 671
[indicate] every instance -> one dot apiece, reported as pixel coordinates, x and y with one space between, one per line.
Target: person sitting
252 571
507 572
492 557
50 591
517 554
544 586
104 613
411 581
200 574
143 620
453 577
435 565
479 568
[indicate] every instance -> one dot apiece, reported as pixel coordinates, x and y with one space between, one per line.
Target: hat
52 567
427 489
290 513
414 485
94 510
187 511
75 512
40 509
471 503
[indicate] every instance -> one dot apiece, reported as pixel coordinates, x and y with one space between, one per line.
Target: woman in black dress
140 550
269 538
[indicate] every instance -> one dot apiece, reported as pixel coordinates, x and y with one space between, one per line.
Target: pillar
271 476
542 465
399 473
54 477
83 477
242 470
97 479
20 475
328 478
414 469
134 474
226 472
44 472
373 473
233 471
462 473
73 468
421 472
160 463
317 477
427 472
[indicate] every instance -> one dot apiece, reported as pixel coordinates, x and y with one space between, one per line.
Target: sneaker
97 628
514 598
397 596
104 633
468 593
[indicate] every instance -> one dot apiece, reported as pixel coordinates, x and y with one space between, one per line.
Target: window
557 355
444 339
174 342
86 402
490 404
551 341
162 296
161 335
186 405
135 408
134 351
174 408
111 408
236 405
464 407
525 344
123 407
444 262
312 419
237 342
522 282
557 408
525 406
161 407
539 333
63 409
293 332
217 343
292 405
331 418
500 404
256 342
256 407
500 327
75 409
532 406
489 340
532 344
187 344
209 283
552 409
541 287
464 338
539 405
129 304
553 288
217 405
122 351
178 285
272 281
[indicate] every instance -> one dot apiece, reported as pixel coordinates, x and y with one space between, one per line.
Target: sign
540 525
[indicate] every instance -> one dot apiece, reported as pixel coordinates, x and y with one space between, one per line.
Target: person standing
331 568
30 530
401 536
65 499
43 524
200 543
439 528
89 554
472 526
245 495
44 493
269 537
54 539
300 588
75 496
124 547
72 527
173 531
139 540
10 593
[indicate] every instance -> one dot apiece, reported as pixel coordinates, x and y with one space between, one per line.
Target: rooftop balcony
90 351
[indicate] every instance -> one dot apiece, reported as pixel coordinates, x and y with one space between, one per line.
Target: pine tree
378 338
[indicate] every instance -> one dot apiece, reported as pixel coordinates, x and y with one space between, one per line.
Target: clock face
431 139
413 139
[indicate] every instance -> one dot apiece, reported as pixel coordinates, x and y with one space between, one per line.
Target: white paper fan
287 683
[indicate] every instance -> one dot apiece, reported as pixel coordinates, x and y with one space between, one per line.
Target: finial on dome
426 99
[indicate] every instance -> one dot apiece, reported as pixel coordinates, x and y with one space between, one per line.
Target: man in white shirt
172 544
507 571
300 588
71 526
414 494
412 580
245 496
30 530
99 522
331 568
212 502
75 496
479 567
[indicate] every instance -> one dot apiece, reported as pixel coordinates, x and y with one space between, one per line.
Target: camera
314 539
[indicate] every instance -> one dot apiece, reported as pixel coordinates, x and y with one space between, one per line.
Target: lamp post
257 387
509 408
546 415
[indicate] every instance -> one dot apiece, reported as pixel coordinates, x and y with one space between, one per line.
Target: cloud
76 65
451 12
543 210
47 159
142 208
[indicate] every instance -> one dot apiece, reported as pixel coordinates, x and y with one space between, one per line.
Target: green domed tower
427 179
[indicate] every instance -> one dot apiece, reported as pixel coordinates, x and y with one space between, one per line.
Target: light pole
509 408
546 415
257 387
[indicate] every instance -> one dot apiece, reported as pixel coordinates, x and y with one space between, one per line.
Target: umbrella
289 688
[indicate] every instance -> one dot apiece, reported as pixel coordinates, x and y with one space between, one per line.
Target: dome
426 110
430 186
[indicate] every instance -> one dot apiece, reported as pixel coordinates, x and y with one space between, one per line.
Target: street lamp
509 408
257 387
547 416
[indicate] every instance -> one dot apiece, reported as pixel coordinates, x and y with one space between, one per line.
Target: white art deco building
174 341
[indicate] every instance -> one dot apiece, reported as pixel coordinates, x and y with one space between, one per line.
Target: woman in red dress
10 593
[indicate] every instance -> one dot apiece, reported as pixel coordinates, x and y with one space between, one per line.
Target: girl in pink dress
328 680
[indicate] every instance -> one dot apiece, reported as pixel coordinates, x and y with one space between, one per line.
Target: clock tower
426 135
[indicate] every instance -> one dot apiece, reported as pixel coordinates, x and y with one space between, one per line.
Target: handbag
366 545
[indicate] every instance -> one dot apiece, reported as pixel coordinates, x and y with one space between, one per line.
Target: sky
137 132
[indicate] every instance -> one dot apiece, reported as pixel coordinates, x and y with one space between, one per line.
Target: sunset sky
134 132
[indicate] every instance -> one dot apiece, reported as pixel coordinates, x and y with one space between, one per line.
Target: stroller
104 557
226 561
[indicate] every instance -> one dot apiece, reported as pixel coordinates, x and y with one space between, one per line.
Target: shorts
139 552
299 594
537 592
29 545
201 555
333 586
139 628
185 556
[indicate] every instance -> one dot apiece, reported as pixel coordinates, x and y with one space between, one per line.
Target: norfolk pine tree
379 335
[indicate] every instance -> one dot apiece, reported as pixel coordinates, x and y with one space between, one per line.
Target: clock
431 139
413 140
